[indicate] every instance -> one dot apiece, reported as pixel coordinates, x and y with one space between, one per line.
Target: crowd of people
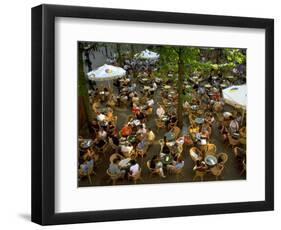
153 120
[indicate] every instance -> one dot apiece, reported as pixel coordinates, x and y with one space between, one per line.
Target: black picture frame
43 113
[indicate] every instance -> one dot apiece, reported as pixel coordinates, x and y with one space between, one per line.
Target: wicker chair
113 177
232 141
176 130
152 170
195 154
89 173
199 174
174 171
114 156
191 118
209 148
224 157
217 170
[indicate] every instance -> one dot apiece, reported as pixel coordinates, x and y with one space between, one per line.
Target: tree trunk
85 112
179 86
132 51
119 58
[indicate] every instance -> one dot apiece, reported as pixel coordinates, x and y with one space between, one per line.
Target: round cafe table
211 160
199 120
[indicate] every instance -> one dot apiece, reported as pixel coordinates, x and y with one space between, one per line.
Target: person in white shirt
134 169
233 126
102 134
154 86
150 102
160 111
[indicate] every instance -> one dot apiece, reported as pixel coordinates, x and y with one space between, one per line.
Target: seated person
188 140
135 168
200 166
233 125
135 108
160 112
95 126
135 99
126 130
110 128
114 140
194 129
206 130
141 130
102 134
140 115
100 116
114 168
86 167
173 119
141 145
176 165
109 115
156 164
150 135
150 102
165 148
88 153
210 119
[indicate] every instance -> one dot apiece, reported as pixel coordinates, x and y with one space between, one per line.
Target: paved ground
231 172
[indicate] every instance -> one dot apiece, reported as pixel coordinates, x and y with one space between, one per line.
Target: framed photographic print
142 114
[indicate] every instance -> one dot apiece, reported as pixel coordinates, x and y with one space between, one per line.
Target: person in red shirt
126 130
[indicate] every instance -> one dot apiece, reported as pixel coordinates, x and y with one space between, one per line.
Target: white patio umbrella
236 96
147 55
106 72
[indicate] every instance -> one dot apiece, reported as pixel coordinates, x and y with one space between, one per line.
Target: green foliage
234 56
169 58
